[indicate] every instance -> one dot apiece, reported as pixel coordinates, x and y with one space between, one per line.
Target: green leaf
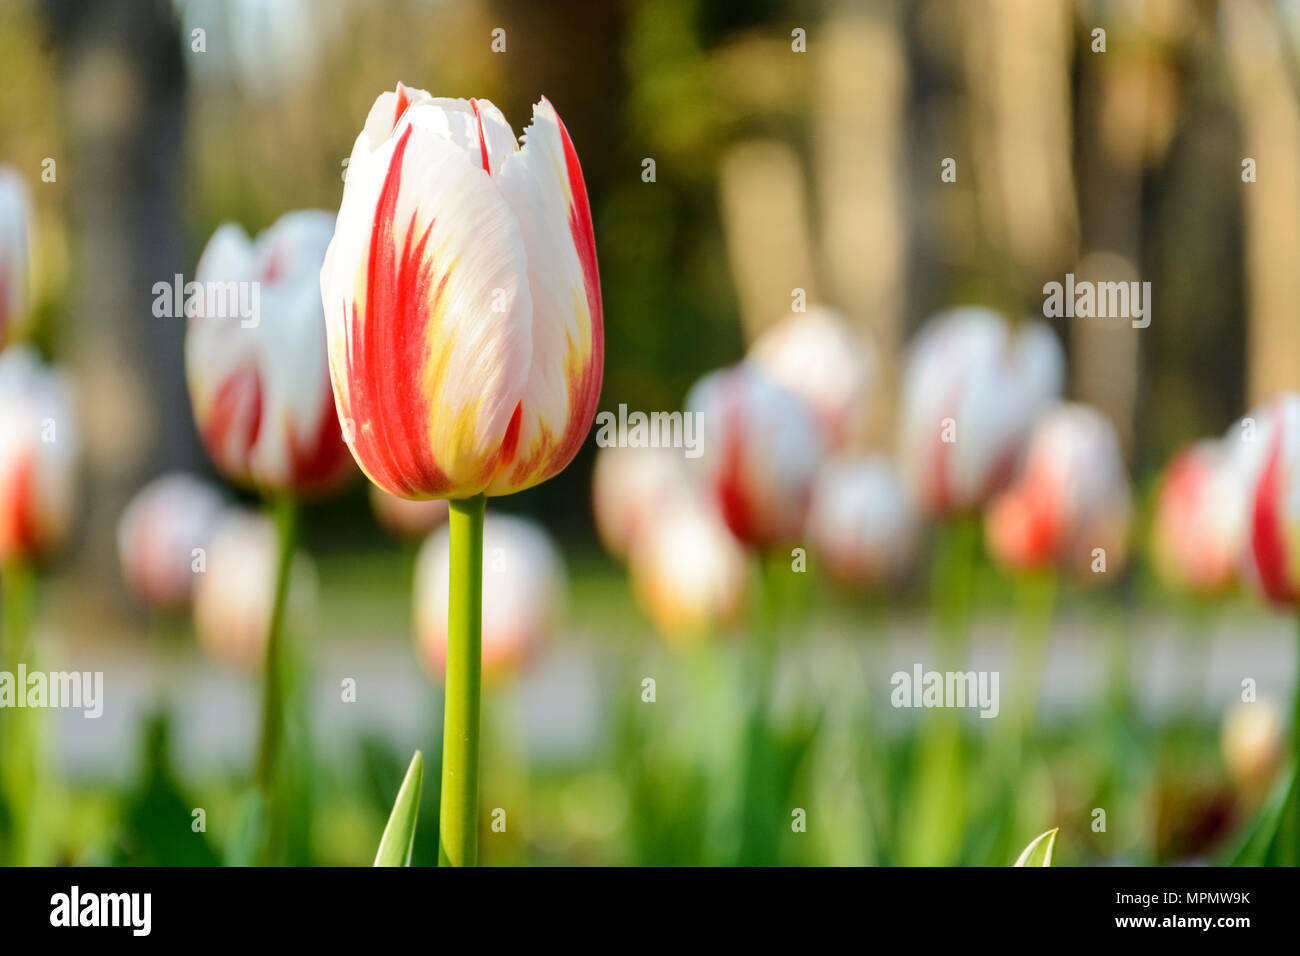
395 845
1253 847
1039 852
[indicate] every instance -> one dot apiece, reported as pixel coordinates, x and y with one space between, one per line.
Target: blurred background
795 146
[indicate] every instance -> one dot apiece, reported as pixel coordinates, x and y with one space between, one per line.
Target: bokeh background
773 170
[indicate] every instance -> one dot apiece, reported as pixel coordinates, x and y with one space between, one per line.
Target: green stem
285 514
458 816
1289 851
19 763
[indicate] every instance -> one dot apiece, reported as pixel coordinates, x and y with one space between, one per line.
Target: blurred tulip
1071 498
629 489
233 598
259 384
972 389
406 517
822 359
15 216
1199 525
688 572
158 535
761 447
862 522
523 595
39 455
462 299
1253 743
1272 555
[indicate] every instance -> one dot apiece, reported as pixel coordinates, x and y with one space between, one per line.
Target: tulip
235 596
862 522
39 453
162 538
259 383
15 216
629 489
466 343
1252 744
1072 498
1199 527
972 390
822 359
405 517
523 595
762 447
688 572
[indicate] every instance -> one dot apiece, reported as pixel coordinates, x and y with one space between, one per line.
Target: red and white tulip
162 537
972 389
1200 525
688 571
630 487
15 239
259 384
524 584
462 299
761 448
1071 499
1272 553
40 450
818 356
863 524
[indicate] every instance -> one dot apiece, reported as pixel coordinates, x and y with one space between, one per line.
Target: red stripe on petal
389 351
1266 539
482 140
235 421
403 102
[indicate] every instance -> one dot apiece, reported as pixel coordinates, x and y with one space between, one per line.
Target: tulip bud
256 362
972 390
407 517
234 597
1071 499
462 299
162 537
15 216
761 447
688 572
862 522
629 489
1199 527
523 595
1251 741
39 455
1271 558
824 361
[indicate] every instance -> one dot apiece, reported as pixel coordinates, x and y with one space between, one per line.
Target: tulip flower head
15 216
689 573
1071 499
1252 742
761 447
462 299
39 456
972 390
1199 527
629 489
162 537
233 598
1272 554
523 595
259 382
818 356
862 523
407 517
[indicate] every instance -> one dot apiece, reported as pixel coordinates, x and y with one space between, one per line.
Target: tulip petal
543 185
427 313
